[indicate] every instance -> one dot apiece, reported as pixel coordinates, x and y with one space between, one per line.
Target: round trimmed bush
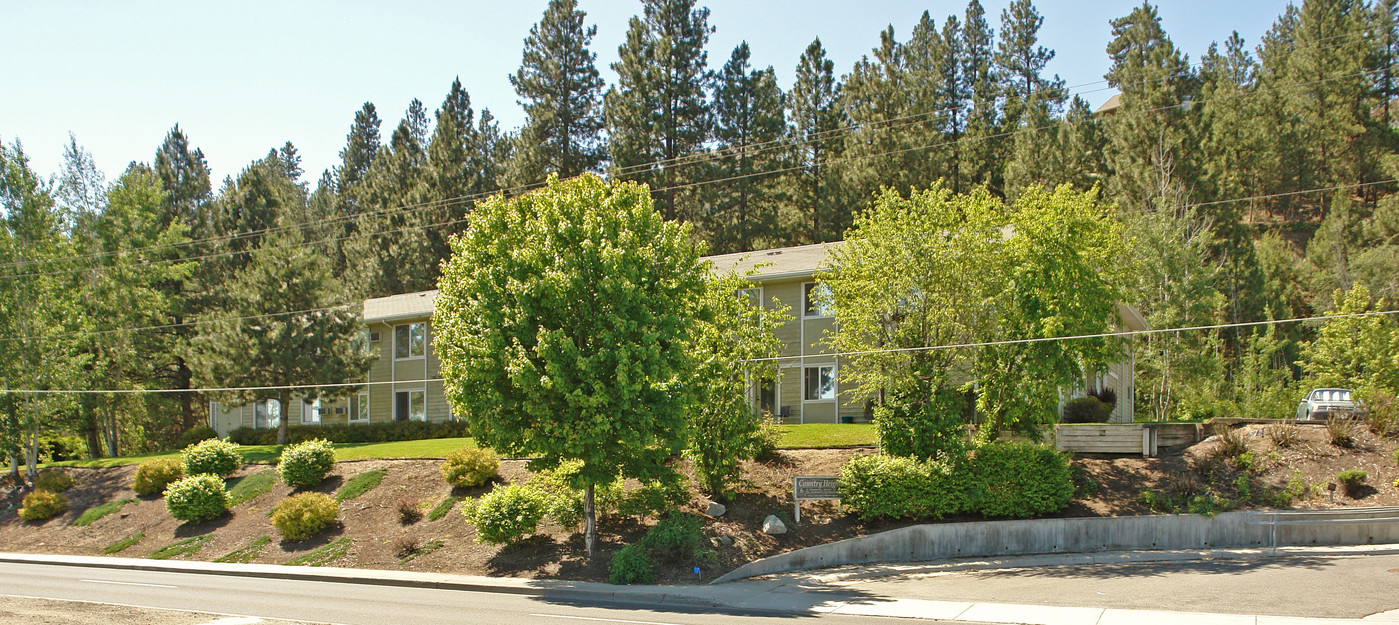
153 476
212 456
196 498
53 481
470 466
42 505
306 464
897 487
507 514
304 515
1020 480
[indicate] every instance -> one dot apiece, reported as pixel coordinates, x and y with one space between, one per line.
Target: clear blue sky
242 77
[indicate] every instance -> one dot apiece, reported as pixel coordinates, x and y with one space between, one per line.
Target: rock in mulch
773 525
716 509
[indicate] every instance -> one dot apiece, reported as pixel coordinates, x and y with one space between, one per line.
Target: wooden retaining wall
1123 438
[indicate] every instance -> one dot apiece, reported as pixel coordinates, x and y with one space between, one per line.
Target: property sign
810 487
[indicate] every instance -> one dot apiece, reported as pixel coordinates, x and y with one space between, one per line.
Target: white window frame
359 408
266 405
311 409
421 391
835 383
813 309
411 355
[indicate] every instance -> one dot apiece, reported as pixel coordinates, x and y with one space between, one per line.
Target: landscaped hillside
371 533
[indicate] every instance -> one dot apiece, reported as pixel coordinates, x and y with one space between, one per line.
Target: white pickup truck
1322 403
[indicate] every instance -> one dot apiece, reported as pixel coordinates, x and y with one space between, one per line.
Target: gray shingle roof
400 307
782 262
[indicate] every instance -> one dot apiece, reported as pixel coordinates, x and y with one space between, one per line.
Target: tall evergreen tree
185 176
878 100
657 116
953 99
393 253
748 124
1150 144
1020 62
815 114
561 92
983 150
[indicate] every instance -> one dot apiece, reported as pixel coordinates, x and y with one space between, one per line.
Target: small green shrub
122 544
507 514
895 487
89 516
1020 480
408 511
197 434
470 466
323 554
360 484
305 464
1351 479
442 508
632 564
1209 504
409 547
184 547
42 505
1086 410
1383 415
152 476
653 499
53 481
304 515
676 539
196 498
212 456
766 440
246 554
565 503
249 487
1247 461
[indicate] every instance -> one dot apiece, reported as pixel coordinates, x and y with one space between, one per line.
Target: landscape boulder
716 509
773 525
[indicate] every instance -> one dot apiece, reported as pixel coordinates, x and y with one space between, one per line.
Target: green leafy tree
1356 349
735 334
563 325
281 328
559 87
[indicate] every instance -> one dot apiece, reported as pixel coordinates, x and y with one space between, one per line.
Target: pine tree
185 176
561 92
656 114
393 252
924 75
749 123
877 100
953 100
1020 62
361 147
815 114
1150 144
983 149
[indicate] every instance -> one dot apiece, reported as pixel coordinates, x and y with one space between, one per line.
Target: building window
359 408
767 397
410 340
410 406
311 412
820 383
267 413
816 298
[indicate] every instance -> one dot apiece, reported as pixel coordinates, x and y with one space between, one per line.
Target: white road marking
104 581
605 620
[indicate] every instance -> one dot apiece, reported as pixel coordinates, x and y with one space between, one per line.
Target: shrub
1351 479
408 510
1107 396
406 545
303 515
1383 417
507 514
676 539
442 508
196 498
213 456
565 503
1341 431
305 464
653 499
1020 480
1231 442
1283 435
767 438
197 434
923 429
385 432
895 487
42 505
632 565
470 466
152 476
53 481
1086 410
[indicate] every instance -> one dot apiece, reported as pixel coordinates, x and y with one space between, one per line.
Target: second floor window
818 297
410 340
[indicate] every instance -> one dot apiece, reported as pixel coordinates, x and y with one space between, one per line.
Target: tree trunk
589 522
285 400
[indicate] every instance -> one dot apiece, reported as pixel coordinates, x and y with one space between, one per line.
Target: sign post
812 487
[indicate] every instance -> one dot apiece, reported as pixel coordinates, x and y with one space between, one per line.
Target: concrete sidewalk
809 592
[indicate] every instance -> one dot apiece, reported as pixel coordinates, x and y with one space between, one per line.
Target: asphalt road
347 604
1318 586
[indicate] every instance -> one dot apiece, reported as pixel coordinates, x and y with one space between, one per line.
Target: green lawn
806 436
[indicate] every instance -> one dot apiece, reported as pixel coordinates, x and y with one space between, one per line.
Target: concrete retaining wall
1040 536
